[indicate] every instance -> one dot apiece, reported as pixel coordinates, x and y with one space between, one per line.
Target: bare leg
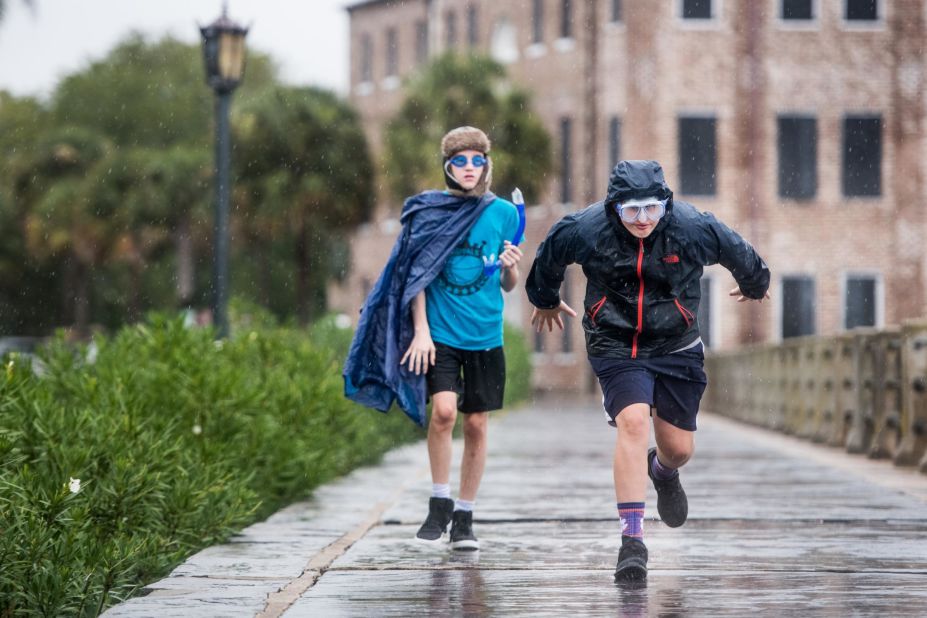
630 465
474 456
674 445
440 430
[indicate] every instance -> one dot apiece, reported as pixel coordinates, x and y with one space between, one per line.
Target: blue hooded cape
433 223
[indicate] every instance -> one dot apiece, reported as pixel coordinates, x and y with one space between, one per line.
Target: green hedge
178 442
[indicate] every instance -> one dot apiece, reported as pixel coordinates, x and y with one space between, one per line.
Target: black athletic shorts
477 376
672 384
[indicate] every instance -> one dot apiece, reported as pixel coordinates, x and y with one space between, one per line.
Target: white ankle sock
464 505
440 490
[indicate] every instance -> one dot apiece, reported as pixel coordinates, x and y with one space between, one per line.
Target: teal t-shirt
464 305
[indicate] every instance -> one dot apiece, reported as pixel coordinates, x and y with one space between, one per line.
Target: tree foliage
146 93
106 192
306 176
465 90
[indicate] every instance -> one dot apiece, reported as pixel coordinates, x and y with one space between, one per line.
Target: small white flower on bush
74 485
219 343
342 321
93 351
197 430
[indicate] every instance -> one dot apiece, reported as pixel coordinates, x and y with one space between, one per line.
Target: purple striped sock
661 472
632 519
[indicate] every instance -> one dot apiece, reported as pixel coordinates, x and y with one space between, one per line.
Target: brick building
798 122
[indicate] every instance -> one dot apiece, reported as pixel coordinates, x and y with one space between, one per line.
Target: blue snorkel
491 267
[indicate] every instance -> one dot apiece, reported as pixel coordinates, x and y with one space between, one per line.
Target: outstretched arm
741 259
557 252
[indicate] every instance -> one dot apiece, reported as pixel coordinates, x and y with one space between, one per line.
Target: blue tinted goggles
461 160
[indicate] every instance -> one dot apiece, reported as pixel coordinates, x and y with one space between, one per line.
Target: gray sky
307 38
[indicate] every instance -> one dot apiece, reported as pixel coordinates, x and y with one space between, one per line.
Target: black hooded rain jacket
642 295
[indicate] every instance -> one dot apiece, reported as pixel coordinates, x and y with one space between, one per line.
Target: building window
697 9
537 21
421 41
614 141
797 9
366 59
566 161
860 301
797 306
862 156
616 10
798 150
566 295
473 26
697 156
566 19
392 53
862 10
704 312
503 46
450 29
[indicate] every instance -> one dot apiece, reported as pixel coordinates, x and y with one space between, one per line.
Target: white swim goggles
645 209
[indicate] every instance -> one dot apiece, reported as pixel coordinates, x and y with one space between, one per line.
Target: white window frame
711 23
879 296
777 306
704 114
800 24
616 25
863 113
876 24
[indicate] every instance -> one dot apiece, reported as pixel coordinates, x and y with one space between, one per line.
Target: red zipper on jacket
594 309
686 314
640 299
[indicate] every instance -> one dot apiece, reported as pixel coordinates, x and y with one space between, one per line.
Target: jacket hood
635 180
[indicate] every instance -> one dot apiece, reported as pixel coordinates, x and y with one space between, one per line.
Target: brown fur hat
464 138
458 140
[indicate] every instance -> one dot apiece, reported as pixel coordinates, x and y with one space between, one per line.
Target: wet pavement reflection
773 530
768 534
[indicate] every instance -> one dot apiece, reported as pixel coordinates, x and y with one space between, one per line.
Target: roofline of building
362 4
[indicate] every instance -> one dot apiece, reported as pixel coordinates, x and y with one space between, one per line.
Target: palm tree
465 90
67 214
307 174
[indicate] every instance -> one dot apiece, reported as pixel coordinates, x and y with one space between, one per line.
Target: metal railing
864 390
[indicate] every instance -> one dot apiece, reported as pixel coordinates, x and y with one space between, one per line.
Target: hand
510 256
421 354
742 299
539 317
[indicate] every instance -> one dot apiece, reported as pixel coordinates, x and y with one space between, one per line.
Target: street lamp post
224 53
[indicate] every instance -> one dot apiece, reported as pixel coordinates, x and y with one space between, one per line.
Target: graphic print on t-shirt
464 301
463 273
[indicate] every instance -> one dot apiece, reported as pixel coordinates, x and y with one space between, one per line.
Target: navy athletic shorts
672 384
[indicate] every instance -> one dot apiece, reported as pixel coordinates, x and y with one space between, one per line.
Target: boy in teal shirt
458 337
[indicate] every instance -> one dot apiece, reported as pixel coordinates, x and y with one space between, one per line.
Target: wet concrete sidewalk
775 525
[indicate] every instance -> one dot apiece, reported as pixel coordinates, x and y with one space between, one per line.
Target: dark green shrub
178 441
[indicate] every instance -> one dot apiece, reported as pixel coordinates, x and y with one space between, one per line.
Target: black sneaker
439 515
462 537
632 561
672 504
